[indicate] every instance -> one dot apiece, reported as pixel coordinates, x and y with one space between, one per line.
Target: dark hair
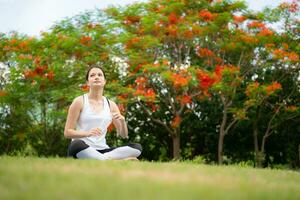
92 67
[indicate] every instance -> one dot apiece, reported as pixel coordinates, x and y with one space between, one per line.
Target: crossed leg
79 149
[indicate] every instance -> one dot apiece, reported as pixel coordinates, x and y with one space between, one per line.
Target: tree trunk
220 148
261 155
176 145
221 136
260 159
255 137
299 153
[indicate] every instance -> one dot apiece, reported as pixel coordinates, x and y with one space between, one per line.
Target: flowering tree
171 48
46 73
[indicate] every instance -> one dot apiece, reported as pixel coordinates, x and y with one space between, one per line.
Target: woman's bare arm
72 118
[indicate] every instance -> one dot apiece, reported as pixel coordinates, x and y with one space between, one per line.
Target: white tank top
89 119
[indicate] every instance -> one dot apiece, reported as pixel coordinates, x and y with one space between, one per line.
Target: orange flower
3 93
23 45
150 94
172 30
37 60
204 52
265 32
13 41
188 34
40 69
50 75
141 81
176 121
122 97
29 74
132 19
285 46
25 57
278 53
185 99
179 80
132 42
256 24
249 39
251 88
269 46
206 15
239 19
86 40
291 108
293 56
85 88
270 89
110 128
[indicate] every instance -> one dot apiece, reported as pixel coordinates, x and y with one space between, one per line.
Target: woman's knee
75 147
136 146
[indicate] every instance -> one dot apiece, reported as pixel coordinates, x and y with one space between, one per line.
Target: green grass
59 178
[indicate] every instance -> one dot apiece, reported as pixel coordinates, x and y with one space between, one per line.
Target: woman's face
96 78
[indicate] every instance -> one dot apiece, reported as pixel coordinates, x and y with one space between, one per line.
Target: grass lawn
62 178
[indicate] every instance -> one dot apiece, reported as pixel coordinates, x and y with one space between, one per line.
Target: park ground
65 178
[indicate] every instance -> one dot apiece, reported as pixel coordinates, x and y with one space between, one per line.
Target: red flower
110 128
86 40
218 70
205 80
50 75
173 18
85 88
150 94
206 15
204 52
185 99
141 80
40 69
29 74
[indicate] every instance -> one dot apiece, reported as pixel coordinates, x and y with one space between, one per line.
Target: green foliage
185 63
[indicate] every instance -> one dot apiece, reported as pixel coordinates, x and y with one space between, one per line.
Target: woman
88 118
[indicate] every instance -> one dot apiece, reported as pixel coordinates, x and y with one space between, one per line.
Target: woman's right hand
94 132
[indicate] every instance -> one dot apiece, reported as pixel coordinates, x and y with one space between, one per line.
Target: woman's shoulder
78 101
112 104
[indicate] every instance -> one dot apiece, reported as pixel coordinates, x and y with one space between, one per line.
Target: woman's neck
95 94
